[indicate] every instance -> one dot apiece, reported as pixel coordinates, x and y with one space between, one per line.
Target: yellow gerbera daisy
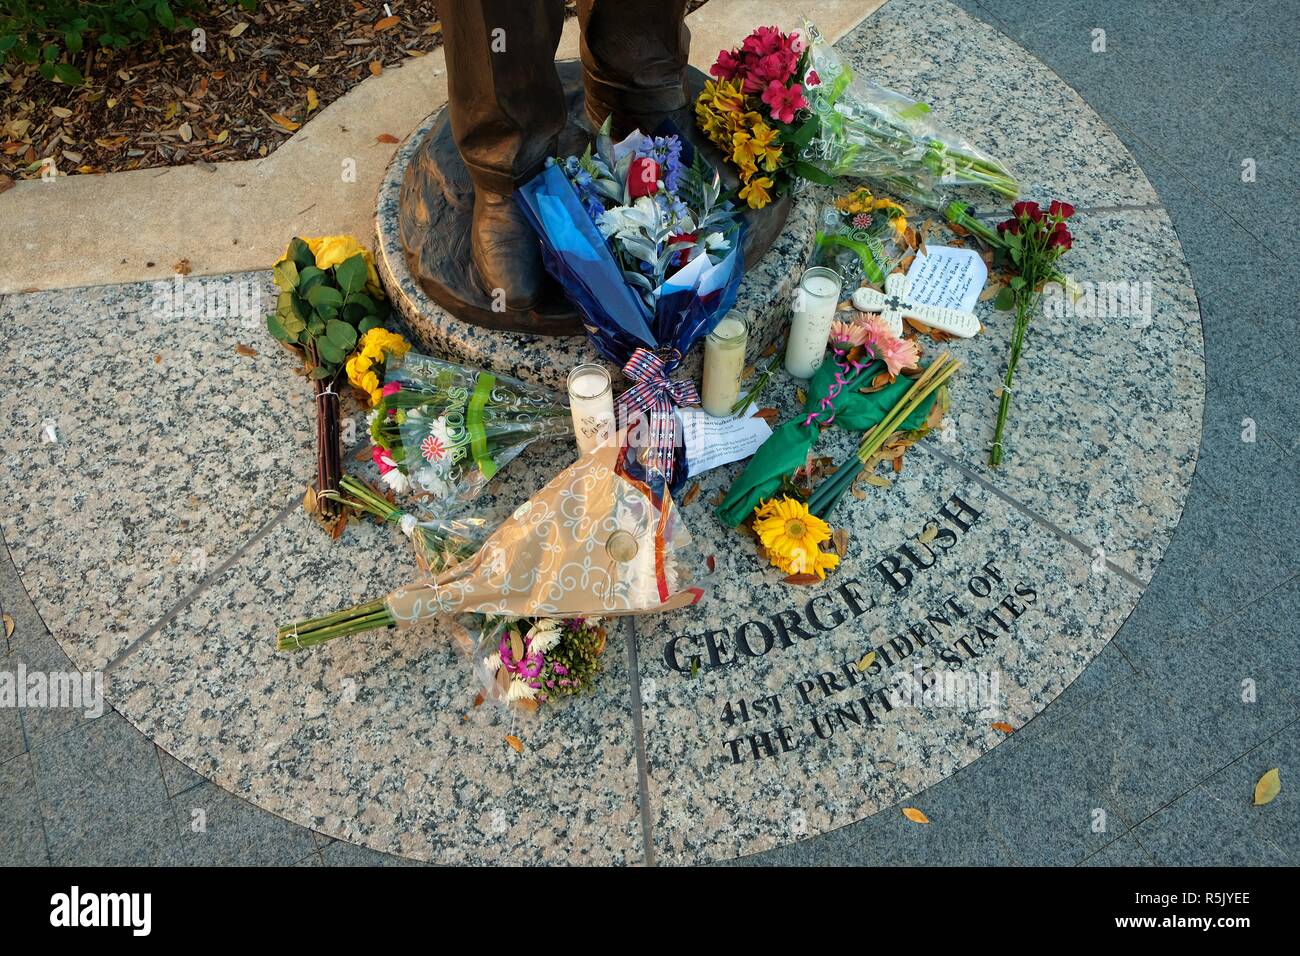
791 534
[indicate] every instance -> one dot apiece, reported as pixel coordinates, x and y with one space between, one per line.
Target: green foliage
580 654
41 32
321 313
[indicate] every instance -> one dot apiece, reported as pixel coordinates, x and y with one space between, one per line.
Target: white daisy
520 691
396 480
544 635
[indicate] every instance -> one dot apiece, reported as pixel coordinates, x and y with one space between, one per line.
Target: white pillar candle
724 363
810 326
591 403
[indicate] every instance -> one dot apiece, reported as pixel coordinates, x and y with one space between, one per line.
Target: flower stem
1024 310
353 620
828 494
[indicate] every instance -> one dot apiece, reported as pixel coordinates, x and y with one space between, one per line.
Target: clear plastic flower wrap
442 431
594 542
861 237
868 131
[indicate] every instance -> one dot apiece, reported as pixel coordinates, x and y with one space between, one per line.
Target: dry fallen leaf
516 743
867 662
385 138
312 101
712 563
309 502
800 396
692 493
9 626
376 68
929 533
245 350
387 22
182 268
284 121
1005 728
434 28
840 538
880 481
1269 786
526 705
915 815
769 415
237 29
478 699
802 580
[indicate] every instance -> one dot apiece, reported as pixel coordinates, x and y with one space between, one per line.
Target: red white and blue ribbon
657 395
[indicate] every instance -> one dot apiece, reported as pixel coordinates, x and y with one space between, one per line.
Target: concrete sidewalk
234 217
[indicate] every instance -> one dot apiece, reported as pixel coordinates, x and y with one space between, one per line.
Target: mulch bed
262 75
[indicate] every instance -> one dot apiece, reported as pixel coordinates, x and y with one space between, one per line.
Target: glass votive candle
724 364
591 403
815 302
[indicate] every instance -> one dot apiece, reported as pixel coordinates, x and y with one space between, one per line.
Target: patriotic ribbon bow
655 393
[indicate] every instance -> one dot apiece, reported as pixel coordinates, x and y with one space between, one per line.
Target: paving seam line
1031 513
638 729
210 579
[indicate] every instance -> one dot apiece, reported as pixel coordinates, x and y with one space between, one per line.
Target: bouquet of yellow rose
367 366
330 313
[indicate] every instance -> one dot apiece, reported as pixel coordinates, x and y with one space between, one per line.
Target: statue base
437 201
441 302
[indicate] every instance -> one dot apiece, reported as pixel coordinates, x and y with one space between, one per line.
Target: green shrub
40 32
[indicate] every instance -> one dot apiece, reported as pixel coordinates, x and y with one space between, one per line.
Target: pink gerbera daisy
897 354
848 333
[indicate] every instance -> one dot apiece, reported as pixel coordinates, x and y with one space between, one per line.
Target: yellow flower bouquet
756 112
331 313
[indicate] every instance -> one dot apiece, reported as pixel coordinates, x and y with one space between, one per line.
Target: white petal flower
544 635
492 662
520 691
396 480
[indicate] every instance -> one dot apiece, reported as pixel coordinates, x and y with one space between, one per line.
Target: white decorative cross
893 305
